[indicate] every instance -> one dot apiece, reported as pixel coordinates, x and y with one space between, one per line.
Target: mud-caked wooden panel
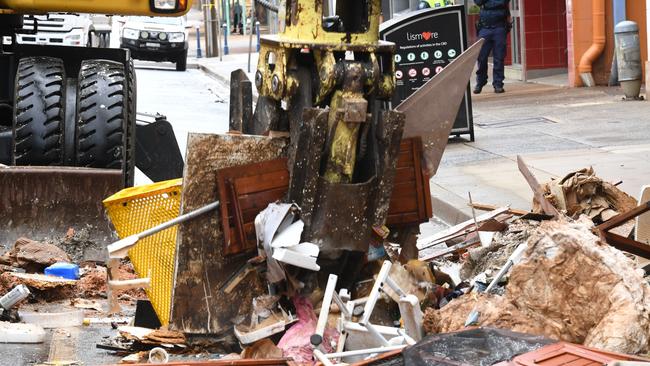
200 305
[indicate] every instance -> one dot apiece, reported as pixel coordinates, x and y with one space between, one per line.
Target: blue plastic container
63 269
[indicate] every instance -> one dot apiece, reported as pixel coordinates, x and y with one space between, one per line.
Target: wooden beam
622 218
487 207
548 208
627 245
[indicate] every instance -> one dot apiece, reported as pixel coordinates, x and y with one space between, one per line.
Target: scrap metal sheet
199 306
438 101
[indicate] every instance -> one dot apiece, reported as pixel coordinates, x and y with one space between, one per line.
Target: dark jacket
494 13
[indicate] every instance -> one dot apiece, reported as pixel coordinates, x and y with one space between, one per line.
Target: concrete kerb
220 70
213 74
447 206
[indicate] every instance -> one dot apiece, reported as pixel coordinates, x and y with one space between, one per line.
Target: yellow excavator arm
117 7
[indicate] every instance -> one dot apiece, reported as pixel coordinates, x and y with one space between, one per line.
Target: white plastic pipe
327 302
360 352
374 293
119 249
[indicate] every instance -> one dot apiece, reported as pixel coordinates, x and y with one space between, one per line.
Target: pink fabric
295 343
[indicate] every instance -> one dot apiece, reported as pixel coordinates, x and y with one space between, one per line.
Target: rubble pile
27 260
490 259
504 286
569 286
33 256
583 193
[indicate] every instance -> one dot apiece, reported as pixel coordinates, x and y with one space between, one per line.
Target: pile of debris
568 286
51 274
533 283
567 280
46 287
549 276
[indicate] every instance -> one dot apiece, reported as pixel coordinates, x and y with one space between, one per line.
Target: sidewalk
221 69
556 130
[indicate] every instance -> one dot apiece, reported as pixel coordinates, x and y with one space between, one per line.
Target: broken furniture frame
245 191
622 243
409 306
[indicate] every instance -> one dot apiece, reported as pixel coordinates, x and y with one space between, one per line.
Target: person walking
238 20
493 26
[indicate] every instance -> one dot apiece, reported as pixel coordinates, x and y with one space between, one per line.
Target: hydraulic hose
268 5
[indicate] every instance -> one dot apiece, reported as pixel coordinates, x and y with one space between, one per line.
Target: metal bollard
199 54
628 55
226 49
257 32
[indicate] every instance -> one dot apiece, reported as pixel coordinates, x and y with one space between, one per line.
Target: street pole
215 29
227 16
218 30
647 63
198 42
205 6
226 49
250 38
257 33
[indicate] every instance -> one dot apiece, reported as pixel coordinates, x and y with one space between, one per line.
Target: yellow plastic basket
136 209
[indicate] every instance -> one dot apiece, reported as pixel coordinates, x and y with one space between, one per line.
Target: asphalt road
191 100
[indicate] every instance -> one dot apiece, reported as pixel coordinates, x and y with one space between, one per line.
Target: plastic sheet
476 347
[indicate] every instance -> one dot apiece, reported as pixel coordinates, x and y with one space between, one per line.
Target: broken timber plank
487 207
548 208
621 242
454 249
202 268
457 230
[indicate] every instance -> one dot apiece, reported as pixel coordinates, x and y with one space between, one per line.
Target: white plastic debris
54 320
21 333
295 259
289 237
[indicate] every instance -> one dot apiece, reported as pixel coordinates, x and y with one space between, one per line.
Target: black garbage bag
474 347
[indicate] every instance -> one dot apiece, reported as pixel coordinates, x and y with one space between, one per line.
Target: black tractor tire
181 61
102 108
132 83
39 112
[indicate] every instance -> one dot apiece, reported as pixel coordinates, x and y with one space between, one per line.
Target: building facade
551 37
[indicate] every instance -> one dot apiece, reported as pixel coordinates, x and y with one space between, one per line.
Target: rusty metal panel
391 129
438 101
241 100
199 306
342 216
44 202
305 160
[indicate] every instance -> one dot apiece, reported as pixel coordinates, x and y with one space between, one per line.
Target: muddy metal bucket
43 203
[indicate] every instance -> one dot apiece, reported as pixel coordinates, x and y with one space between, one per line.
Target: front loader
68 135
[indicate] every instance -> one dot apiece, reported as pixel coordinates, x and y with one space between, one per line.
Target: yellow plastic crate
136 209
